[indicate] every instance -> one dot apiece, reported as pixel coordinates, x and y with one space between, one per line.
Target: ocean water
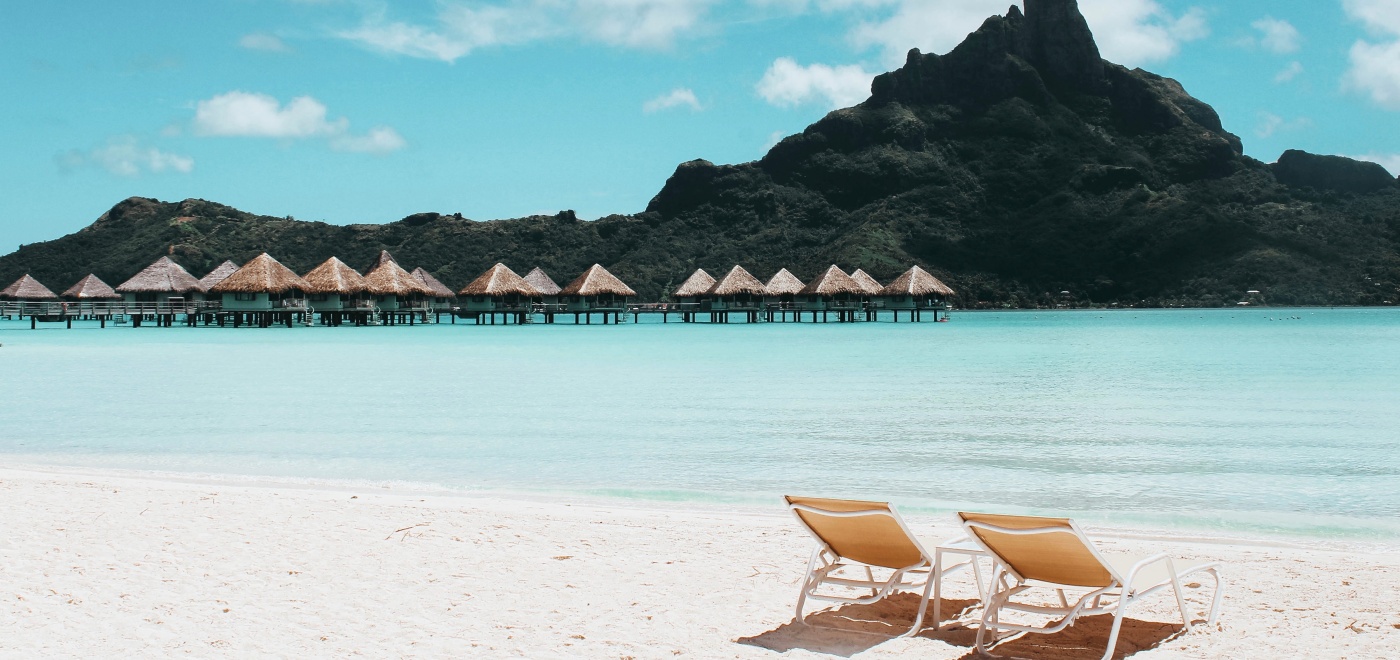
1273 422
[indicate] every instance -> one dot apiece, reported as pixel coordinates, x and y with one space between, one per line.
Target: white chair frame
998 596
916 577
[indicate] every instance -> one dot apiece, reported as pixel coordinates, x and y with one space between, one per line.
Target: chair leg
1123 600
923 605
807 583
1180 598
990 604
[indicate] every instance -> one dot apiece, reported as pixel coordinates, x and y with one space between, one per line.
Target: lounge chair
1030 552
854 534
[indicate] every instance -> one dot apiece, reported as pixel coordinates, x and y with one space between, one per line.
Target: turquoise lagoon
1253 422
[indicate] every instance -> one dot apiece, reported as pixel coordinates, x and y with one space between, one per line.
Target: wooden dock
293 312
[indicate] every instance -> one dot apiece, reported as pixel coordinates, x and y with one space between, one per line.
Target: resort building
596 290
549 291
397 293
871 287
27 289
497 291
916 290
737 291
164 285
780 294
440 297
690 295
220 272
833 290
262 292
91 288
27 297
336 292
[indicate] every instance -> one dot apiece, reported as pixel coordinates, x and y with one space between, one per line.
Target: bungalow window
245 296
319 297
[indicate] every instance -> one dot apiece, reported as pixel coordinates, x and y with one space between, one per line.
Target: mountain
1017 166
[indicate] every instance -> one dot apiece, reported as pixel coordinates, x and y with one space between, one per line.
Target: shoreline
99 563
737 505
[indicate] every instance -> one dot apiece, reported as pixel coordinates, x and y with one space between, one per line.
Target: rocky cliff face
1016 166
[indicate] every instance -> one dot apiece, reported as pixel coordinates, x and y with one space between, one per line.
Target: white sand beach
106 564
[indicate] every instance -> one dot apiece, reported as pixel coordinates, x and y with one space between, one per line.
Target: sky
352 111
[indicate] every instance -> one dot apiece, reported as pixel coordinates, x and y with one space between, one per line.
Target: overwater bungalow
27 297
162 286
549 291
440 297
871 287
336 292
691 293
737 291
219 274
91 288
397 293
833 290
596 290
262 292
780 294
916 290
497 291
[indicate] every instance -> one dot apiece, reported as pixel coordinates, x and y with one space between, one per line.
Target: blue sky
367 111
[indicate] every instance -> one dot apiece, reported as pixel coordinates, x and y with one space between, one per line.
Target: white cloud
680 96
1131 32
1288 73
638 23
1375 72
1375 67
259 115
126 156
379 141
1270 124
246 114
933 26
264 42
462 28
1379 16
1137 32
1390 162
1277 36
788 84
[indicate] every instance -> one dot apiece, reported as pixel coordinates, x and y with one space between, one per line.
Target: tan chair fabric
1057 557
878 540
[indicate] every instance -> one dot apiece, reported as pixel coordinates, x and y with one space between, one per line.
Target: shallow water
1264 421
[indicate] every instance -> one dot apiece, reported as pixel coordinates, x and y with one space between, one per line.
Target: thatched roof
782 283
383 258
737 282
542 282
91 288
163 276
27 288
916 282
871 285
499 281
389 278
831 282
438 289
262 274
219 274
597 281
696 285
334 276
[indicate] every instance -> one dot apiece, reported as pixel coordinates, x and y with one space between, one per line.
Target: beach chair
863 537
1033 552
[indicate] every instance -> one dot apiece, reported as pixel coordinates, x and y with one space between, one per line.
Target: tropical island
1021 168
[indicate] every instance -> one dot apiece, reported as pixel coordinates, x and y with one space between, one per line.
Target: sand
105 564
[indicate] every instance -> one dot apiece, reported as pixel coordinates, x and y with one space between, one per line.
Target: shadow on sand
851 629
